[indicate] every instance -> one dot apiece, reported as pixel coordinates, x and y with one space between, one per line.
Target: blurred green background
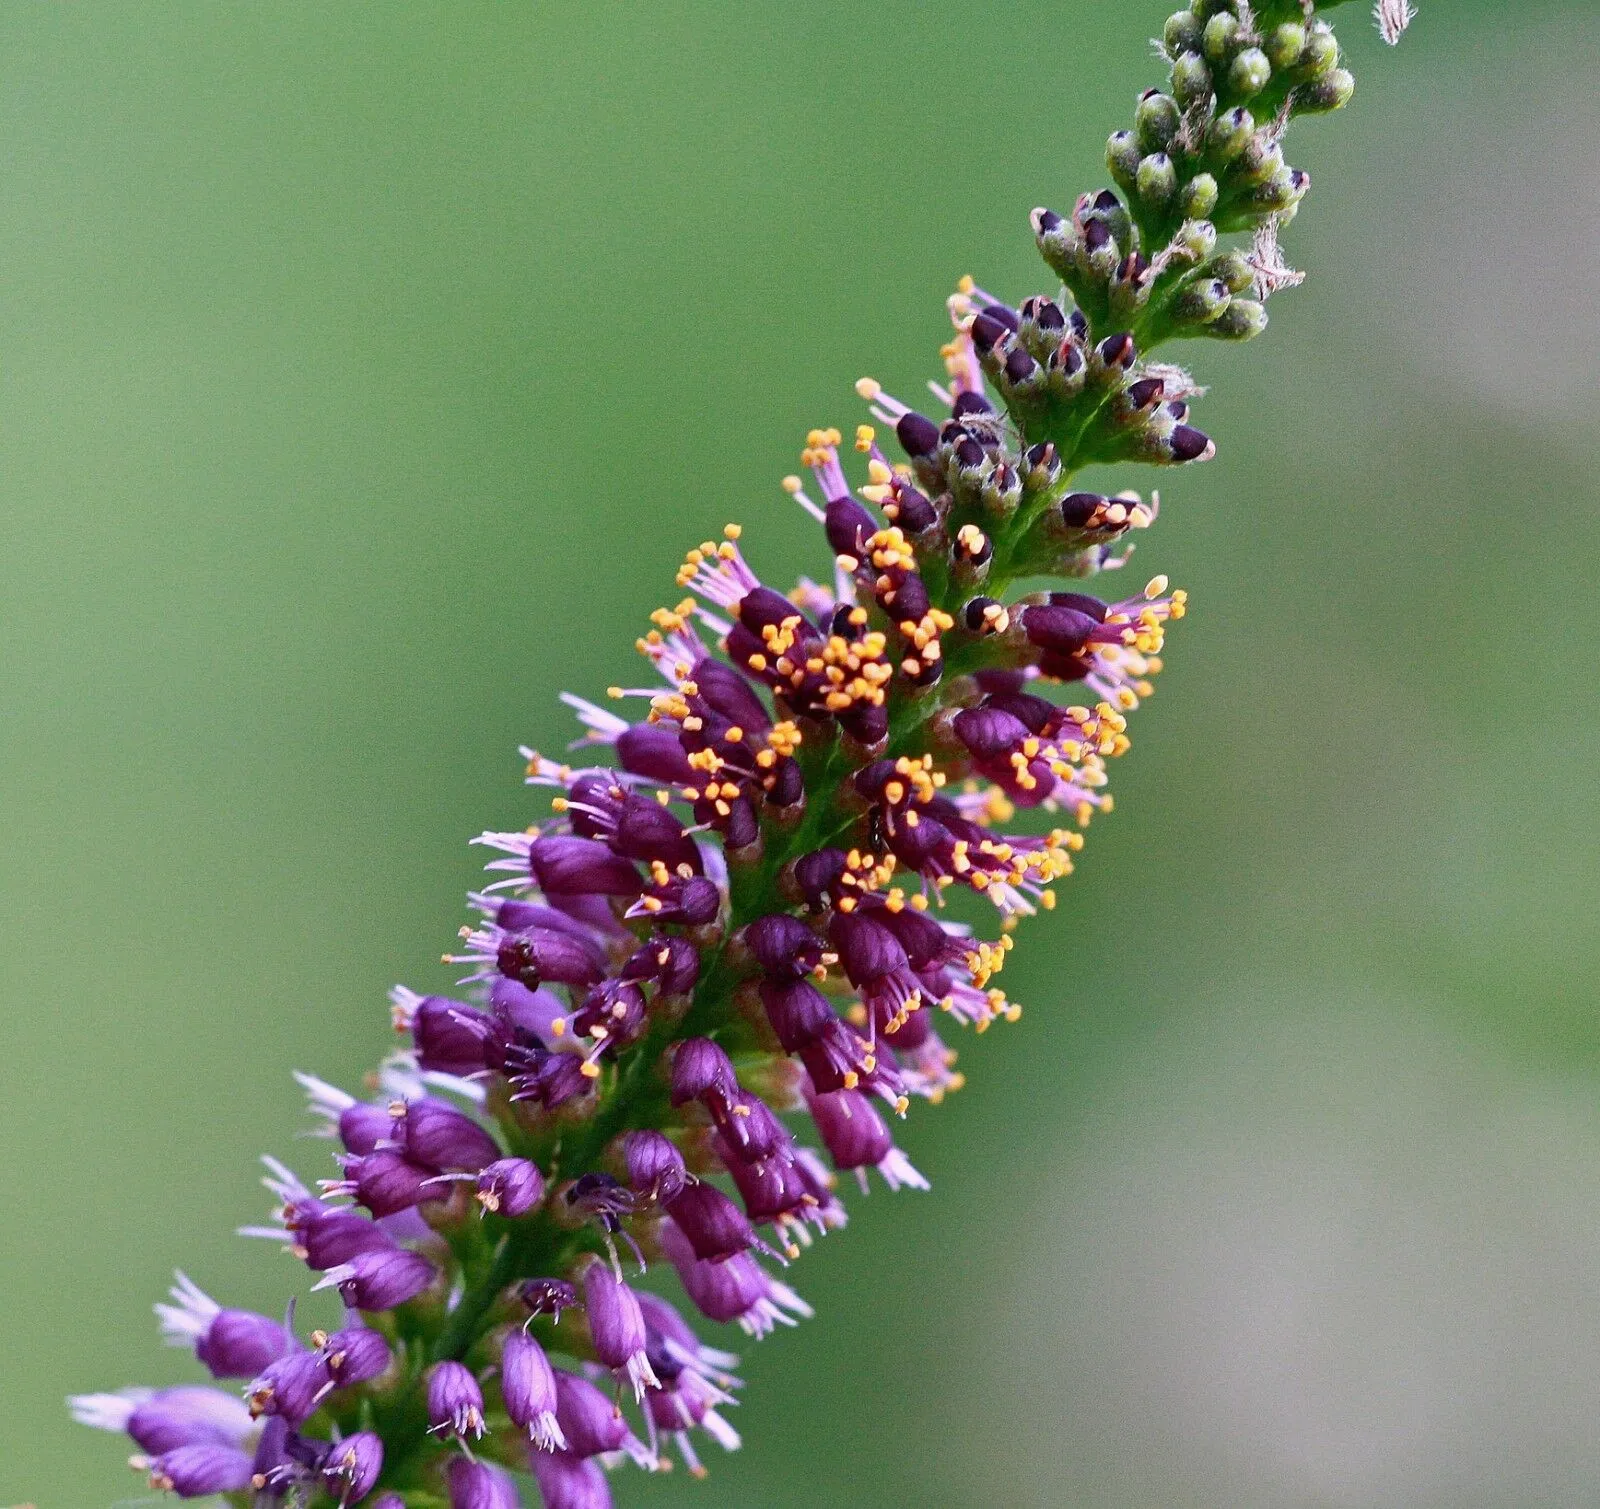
363 371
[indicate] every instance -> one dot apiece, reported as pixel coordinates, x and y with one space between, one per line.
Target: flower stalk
702 989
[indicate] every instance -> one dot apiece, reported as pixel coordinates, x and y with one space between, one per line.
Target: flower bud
1229 134
1182 32
1218 38
1285 43
1191 80
1321 53
1123 157
1198 197
1157 179
1249 73
1157 120
1241 321
1331 92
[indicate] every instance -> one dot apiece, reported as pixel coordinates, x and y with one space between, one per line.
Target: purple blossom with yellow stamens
711 971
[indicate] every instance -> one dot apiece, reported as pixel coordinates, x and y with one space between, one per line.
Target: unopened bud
1285 44
1249 73
1181 33
1122 157
1198 197
1157 121
1329 93
1157 179
1242 320
1217 41
1191 79
1229 134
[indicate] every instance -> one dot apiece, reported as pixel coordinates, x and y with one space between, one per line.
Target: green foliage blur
363 372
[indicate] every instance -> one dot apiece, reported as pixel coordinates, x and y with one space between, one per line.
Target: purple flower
528 1386
291 1387
655 1166
381 1279
701 1071
350 1471
442 1137
616 1326
569 1482
231 1343
354 1355
194 1472
449 1035
570 866
359 1125
547 1296
736 1288
510 1187
387 1182
162 1420
477 1485
591 1424
856 1138
715 1226
455 1402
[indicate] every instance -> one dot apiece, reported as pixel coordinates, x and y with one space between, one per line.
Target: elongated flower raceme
713 977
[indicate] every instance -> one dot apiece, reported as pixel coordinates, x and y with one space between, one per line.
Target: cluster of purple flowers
705 985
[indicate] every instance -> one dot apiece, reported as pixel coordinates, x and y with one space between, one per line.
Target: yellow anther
868 388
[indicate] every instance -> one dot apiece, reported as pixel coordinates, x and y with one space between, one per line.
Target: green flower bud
1242 320
1285 44
1249 73
1229 134
1181 33
1199 197
1261 158
1206 9
1157 121
1157 179
1330 93
1191 79
1197 239
1203 301
1122 158
1220 35
1321 51
1234 269
1281 190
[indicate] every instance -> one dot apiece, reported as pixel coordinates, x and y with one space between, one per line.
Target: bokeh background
363 371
